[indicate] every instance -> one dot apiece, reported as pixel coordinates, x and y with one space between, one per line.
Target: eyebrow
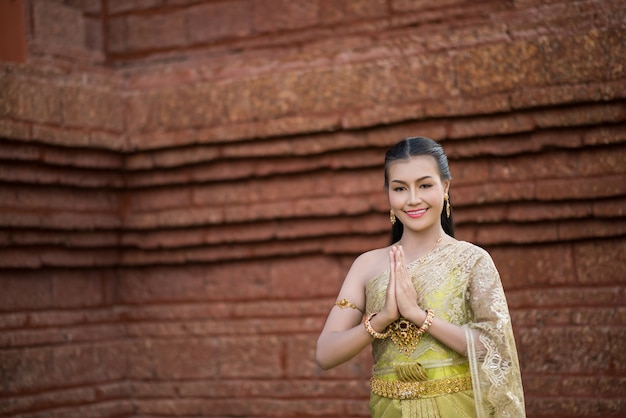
417 181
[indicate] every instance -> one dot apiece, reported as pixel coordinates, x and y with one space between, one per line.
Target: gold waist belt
414 390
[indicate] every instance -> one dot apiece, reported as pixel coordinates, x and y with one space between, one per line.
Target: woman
434 307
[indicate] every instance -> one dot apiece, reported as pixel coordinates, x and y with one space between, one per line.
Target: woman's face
416 192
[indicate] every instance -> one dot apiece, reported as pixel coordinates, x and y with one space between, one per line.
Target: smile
416 213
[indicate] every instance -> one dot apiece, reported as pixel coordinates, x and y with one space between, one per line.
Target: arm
344 336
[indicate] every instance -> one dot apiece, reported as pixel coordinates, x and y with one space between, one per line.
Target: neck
411 239
417 244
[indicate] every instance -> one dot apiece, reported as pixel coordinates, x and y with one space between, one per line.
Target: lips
417 213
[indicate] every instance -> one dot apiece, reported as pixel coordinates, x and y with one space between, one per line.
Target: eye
426 186
398 188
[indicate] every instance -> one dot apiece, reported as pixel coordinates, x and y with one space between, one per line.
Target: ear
446 186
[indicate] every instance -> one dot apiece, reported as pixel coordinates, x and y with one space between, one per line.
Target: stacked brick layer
176 227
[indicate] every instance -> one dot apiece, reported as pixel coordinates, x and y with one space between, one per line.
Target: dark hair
411 147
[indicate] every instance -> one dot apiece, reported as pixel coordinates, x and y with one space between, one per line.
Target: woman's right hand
390 311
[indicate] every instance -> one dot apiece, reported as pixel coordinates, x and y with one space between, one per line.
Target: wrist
372 329
417 316
382 320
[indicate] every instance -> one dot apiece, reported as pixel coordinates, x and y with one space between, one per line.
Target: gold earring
447 200
392 217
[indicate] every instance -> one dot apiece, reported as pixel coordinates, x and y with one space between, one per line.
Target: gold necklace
422 259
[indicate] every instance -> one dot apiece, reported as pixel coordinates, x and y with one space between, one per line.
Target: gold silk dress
460 283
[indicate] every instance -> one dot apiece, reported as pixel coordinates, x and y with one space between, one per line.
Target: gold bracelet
430 315
372 331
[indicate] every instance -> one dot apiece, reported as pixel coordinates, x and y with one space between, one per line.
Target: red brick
69 398
165 407
122 6
181 157
12 129
99 139
56 198
31 99
522 268
613 208
94 36
541 385
345 10
602 162
492 125
583 115
294 15
156 31
250 357
533 212
305 277
174 358
66 318
540 350
77 290
517 234
586 386
608 253
92 6
61 136
89 106
195 283
470 171
117 40
58 25
487 193
593 187
576 230
49 336
25 291
569 296
498 67
45 367
267 388
227 20
82 258
90 159
555 95
605 135
575 57
157 199
420 5
534 166
74 220
360 118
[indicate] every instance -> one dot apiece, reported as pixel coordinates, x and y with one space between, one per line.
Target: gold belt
414 390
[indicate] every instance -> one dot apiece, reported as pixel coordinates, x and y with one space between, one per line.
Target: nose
414 197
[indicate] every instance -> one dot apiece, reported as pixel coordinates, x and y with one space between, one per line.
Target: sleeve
491 350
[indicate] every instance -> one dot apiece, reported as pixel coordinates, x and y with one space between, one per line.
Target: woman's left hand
406 295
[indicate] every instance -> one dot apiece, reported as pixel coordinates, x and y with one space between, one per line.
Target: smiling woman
434 308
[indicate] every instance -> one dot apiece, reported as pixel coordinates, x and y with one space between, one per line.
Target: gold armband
345 303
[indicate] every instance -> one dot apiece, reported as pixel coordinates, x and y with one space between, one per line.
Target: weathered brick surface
177 223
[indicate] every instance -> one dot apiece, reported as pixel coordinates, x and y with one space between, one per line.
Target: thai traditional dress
421 377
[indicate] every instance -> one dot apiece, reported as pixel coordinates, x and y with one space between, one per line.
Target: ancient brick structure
184 184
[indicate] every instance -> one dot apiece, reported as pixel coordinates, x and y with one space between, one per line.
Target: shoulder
472 253
370 264
470 248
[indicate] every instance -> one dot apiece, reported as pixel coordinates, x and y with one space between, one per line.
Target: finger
398 258
392 270
402 259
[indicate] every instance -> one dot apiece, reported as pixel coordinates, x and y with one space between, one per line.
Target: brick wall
184 184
